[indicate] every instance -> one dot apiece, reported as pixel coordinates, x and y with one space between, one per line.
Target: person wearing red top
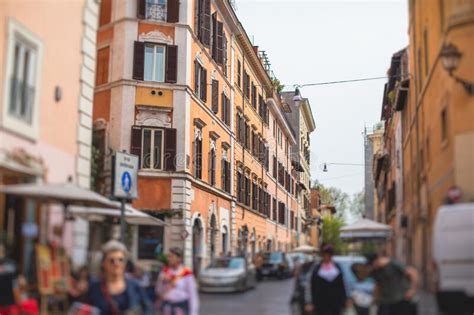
176 287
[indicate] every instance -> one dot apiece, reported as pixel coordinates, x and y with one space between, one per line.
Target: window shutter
197 69
206 23
136 143
214 36
171 63
204 84
173 11
224 108
138 60
170 149
220 43
224 53
141 9
215 96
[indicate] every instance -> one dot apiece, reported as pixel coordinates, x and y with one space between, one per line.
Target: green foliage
331 234
357 204
277 85
161 257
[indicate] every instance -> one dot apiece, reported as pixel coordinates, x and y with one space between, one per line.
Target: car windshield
273 257
228 263
349 277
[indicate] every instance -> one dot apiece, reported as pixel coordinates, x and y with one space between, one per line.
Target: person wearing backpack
395 285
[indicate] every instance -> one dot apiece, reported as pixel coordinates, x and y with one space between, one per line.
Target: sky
320 41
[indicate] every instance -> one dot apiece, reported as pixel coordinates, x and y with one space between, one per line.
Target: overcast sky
320 41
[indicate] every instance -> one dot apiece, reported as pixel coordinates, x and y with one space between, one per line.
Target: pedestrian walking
325 293
113 293
395 285
258 262
176 287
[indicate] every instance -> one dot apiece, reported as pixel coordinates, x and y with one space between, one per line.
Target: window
154 63
240 129
274 209
156 147
158 10
212 164
240 186
239 74
203 21
247 135
23 80
247 191
102 74
246 85
225 110
217 40
254 96
152 149
444 125
150 238
281 213
254 196
200 81
215 96
198 154
225 172
274 166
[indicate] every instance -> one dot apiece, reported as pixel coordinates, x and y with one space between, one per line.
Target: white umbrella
305 249
132 215
64 193
366 229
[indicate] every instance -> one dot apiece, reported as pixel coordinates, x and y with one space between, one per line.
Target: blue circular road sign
126 182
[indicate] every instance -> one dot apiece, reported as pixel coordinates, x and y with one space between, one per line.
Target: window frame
153 75
156 2
152 146
28 129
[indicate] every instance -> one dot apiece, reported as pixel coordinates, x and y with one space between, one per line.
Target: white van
453 254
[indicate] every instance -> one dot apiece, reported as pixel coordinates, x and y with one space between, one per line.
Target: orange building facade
180 85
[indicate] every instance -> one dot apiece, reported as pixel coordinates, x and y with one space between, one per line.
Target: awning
305 249
63 193
132 215
10 164
365 229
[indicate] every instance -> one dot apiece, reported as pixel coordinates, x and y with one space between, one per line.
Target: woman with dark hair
176 288
325 293
114 294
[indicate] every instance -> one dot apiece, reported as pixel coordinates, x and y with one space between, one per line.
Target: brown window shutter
169 156
171 64
214 36
206 23
138 60
173 11
141 9
204 84
197 70
220 43
215 96
224 53
136 142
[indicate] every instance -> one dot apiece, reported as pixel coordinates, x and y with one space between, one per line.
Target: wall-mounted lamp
451 57
297 98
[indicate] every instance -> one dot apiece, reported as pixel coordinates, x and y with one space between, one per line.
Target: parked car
227 274
276 264
453 254
360 292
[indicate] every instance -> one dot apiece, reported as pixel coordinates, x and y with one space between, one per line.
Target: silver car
227 274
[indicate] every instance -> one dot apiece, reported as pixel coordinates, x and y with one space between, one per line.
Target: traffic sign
125 176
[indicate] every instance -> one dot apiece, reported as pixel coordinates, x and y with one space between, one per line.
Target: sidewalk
427 304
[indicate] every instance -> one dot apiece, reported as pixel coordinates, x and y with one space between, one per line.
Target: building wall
437 162
64 79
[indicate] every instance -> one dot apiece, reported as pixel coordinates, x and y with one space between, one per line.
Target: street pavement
270 297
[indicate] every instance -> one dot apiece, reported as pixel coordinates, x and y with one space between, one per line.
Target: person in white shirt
176 287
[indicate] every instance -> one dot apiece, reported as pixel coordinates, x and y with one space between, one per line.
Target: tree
357 204
334 196
332 234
